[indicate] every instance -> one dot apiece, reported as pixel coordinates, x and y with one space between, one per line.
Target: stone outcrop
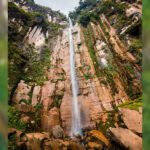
132 119
100 136
36 36
38 136
127 138
57 132
22 92
92 145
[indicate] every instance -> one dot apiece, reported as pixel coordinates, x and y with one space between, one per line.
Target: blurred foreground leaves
146 74
3 75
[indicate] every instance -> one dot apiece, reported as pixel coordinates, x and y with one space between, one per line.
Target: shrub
14 119
84 19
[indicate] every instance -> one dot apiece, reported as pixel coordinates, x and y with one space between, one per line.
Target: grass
133 105
136 45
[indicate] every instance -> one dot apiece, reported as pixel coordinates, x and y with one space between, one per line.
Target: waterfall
76 120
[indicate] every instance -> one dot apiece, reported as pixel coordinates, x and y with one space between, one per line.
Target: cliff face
31 37
107 42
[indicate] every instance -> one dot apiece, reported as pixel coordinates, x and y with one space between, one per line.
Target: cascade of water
76 121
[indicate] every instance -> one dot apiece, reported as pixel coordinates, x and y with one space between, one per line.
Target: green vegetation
146 107
14 119
114 117
86 17
37 117
29 19
134 104
136 45
90 10
3 71
58 99
84 8
87 76
85 69
54 29
136 49
25 63
28 66
106 6
19 13
109 123
107 72
129 67
90 43
37 66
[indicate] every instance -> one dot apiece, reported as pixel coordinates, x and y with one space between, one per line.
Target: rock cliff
107 42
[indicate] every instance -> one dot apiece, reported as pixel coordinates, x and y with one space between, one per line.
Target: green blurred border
146 74
3 75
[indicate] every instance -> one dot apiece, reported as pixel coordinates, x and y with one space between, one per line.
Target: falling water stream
76 120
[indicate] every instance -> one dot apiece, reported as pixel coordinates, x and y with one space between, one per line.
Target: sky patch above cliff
63 5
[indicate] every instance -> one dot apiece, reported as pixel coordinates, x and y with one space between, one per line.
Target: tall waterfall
76 120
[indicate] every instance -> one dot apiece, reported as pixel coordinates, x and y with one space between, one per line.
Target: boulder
126 138
21 145
37 136
11 132
52 145
100 136
57 132
21 92
93 145
75 146
20 136
132 119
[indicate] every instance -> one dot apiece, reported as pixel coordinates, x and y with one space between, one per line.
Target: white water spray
76 121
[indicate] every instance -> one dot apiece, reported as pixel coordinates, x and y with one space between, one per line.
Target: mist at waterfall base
76 120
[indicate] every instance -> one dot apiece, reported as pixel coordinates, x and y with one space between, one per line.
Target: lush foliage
14 119
134 105
83 9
